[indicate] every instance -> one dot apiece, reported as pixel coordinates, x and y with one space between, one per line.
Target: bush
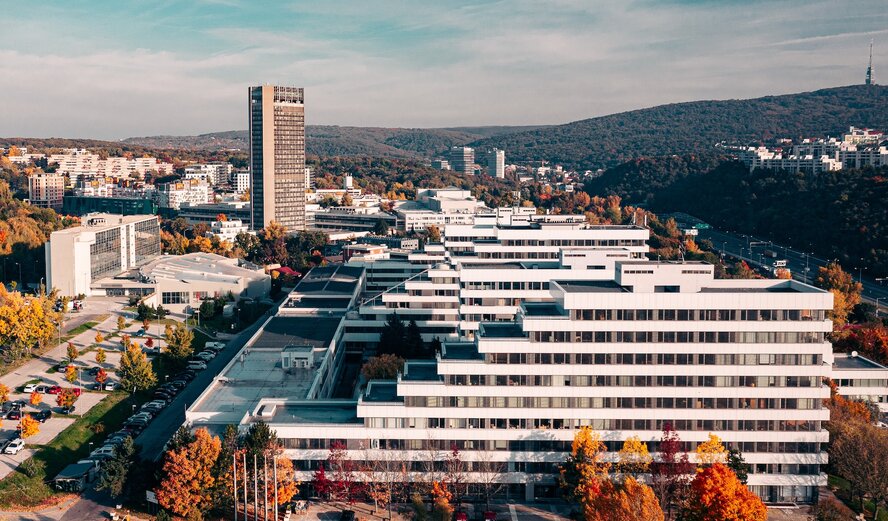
832 510
33 468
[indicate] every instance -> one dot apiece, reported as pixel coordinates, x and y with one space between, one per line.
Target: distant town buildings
104 246
241 181
857 148
227 230
176 194
79 162
462 160
46 190
440 164
212 173
209 212
277 156
496 163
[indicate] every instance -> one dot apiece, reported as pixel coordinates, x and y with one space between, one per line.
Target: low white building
182 282
105 245
212 173
227 230
182 193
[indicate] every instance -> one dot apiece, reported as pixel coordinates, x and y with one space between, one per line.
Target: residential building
352 218
213 173
496 163
365 251
277 156
462 160
392 241
209 212
104 246
859 378
241 181
187 192
647 344
440 164
227 230
46 190
181 282
75 163
83 205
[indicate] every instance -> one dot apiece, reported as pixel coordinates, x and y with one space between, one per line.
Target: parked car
94 370
14 446
103 450
67 410
29 388
43 389
215 346
42 416
200 366
204 356
14 414
110 386
55 389
347 515
187 375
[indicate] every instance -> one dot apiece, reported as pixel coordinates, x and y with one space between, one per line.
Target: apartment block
462 160
46 190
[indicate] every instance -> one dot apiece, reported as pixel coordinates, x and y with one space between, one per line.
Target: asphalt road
165 424
803 265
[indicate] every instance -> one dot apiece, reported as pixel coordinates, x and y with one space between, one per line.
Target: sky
117 68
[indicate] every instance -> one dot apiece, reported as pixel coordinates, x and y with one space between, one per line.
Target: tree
116 471
4 393
455 474
187 480
101 376
72 352
135 370
121 323
66 398
857 453
347 200
442 510
846 292
343 484
35 398
711 451
391 338
146 323
738 465
380 228
631 501
382 367
670 471
434 234
100 356
490 475
28 427
634 458
71 374
99 338
581 474
414 346
717 495
179 342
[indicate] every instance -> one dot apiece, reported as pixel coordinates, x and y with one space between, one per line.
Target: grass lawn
82 328
27 487
843 493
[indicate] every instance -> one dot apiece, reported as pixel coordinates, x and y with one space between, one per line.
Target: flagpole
246 488
274 464
234 475
255 487
265 485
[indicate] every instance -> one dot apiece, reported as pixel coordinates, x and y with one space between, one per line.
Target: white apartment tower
496 163
462 160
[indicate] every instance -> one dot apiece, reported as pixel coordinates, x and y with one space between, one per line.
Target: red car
55 389
77 391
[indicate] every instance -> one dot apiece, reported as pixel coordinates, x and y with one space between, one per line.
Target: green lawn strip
844 494
82 328
71 445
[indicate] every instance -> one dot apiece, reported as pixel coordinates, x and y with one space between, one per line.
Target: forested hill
683 128
841 215
331 140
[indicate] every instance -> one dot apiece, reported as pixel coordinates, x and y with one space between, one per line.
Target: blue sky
114 69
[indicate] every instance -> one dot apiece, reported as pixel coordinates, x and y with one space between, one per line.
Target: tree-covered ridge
682 128
841 215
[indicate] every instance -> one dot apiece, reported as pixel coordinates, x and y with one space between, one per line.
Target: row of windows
530 445
699 314
505 285
654 358
599 424
174 297
681 337
612 402
633 380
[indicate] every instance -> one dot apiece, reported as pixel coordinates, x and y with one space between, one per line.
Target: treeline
839 215
694 127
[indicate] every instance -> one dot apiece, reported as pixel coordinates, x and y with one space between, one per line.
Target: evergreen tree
414 347
392 337
738 465
115 472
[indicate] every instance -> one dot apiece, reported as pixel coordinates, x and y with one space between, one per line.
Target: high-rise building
462 160
277 156
46 190
496 163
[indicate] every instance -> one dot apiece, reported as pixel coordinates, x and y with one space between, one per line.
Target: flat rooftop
501 330
591 286
542 309
382 391
335 279
846 361
110 221
311 330
461 351
423 371
783 288
318 411
198 267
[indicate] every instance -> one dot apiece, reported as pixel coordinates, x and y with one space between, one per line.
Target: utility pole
275 469
234 476
255 488
265 485
246 486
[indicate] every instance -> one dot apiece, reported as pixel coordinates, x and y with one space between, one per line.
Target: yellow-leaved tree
711 451
634 458
187 477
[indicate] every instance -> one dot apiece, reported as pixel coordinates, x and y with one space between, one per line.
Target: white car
104 450
29 388
215 346
196 365
14 446
206 356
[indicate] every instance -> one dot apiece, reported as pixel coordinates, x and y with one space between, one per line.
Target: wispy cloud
123 70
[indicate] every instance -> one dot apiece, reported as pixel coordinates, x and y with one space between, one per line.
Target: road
804 265
165 424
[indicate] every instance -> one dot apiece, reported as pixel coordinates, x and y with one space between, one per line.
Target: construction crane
869 69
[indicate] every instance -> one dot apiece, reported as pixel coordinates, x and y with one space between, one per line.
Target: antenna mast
869 69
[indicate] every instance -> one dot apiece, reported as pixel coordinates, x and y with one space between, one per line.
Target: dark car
14 414
93 370
67 410
42 416
347 515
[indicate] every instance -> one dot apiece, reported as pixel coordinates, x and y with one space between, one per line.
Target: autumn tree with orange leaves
717 495
188 480
581 475
629 501
35 398
28 427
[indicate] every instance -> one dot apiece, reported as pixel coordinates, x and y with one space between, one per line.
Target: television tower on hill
869 69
